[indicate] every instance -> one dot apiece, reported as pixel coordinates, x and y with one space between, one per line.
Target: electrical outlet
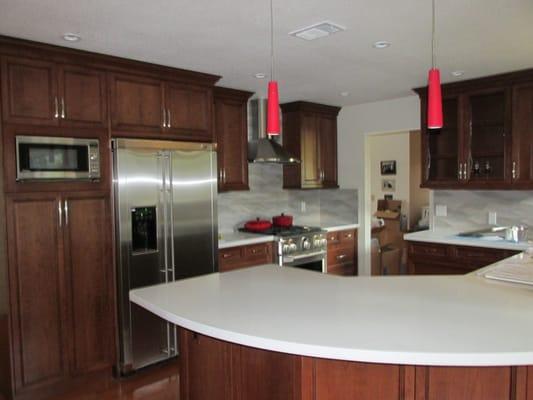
493 218
441 210
303 206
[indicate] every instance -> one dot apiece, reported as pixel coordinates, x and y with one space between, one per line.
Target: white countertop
235 239
241 239
417 320
446 237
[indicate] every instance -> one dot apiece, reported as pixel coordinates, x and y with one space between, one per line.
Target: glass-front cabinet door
443 146
487 135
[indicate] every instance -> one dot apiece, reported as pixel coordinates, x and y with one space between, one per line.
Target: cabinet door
231 133
136 103
310 150
189 111
29 91
328 151
442 147
89 267
488 136
82 94
37 281
522 136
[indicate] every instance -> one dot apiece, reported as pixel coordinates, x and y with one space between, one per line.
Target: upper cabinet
231 131
486 140
310 134
144 105
46 93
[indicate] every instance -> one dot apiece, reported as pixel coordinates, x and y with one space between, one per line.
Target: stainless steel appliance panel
139 185
194 215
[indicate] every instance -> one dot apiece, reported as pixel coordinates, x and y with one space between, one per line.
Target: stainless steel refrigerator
166 228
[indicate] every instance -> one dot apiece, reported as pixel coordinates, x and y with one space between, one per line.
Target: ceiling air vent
317 30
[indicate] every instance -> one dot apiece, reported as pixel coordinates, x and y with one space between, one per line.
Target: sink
489 233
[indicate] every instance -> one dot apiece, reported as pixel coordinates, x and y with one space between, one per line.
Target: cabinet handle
226 255
164 119
60 213
56 106
460 171
514 170
341 256
62 108
169 125
349 236
66 212
224 175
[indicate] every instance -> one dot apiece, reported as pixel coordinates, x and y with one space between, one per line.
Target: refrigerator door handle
172 266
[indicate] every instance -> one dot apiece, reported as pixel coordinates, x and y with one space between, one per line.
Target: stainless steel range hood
261 147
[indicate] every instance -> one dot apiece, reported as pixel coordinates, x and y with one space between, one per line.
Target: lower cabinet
342 252
214 369
442 259
60 289
245 256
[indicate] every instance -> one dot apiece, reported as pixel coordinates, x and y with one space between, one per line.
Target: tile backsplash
469 209
266 198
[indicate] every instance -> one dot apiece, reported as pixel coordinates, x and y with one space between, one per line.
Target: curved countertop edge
335 353
410 357
450 238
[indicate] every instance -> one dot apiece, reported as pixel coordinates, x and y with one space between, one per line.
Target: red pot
258 225
283 221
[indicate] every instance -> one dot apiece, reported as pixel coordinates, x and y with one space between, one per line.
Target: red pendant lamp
273 128
434 115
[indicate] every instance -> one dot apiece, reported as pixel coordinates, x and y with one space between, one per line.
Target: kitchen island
280 333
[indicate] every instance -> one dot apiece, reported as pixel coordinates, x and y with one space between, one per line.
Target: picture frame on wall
388 167
388 185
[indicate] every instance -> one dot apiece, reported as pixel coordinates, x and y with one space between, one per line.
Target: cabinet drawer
428 249
342 269
347 238
229 258
341 256
258 253
344 239
244 256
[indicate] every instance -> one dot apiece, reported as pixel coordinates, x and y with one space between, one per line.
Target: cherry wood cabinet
60 288
47 93
342 252
442 259
485 142
143 106
310 133
212 368
231 132
245 256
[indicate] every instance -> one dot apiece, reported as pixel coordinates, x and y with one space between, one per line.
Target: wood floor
156 383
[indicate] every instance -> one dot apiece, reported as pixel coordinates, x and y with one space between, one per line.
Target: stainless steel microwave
41 158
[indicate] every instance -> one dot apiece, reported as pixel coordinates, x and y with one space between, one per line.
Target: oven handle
306 255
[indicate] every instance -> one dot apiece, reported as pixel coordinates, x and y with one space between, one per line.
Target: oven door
315 261
40 157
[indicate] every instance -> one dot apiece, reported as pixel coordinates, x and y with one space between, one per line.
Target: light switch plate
493 218
441 210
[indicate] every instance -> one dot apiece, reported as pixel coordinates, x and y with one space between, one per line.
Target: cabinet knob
226 255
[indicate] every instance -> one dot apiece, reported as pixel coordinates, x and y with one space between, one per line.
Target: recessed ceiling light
344 94
260 75
458 73
381 44
318 30
71 37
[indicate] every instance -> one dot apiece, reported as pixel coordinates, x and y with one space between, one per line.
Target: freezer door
194 216
143 234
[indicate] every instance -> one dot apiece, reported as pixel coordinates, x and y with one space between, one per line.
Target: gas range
299 246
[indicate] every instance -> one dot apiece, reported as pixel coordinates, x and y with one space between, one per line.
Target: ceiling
231 38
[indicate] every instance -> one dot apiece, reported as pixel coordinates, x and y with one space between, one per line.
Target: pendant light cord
271 40
433 58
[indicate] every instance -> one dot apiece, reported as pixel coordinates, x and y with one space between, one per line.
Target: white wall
354 123
389 146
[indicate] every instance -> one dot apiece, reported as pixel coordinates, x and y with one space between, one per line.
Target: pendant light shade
434 100
273 109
